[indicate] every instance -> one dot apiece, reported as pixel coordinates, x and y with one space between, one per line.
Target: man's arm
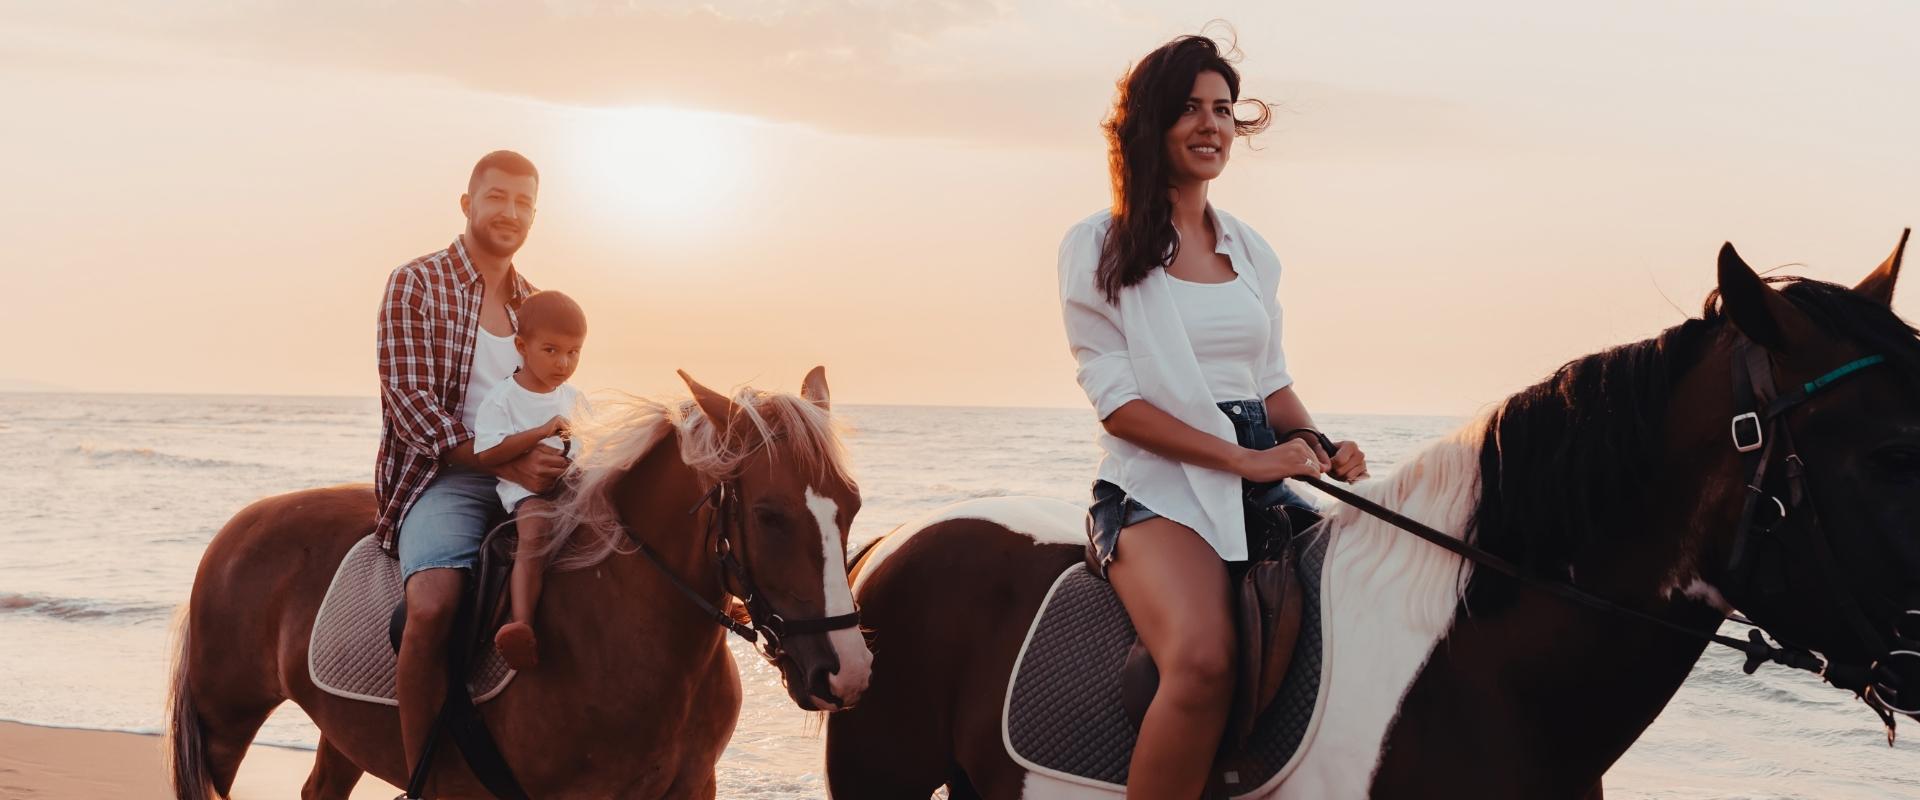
405 355
537 469
517 445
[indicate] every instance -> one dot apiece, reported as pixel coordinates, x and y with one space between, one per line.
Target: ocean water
110 499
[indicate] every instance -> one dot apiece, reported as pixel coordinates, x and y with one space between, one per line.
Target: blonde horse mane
623 428
1438 485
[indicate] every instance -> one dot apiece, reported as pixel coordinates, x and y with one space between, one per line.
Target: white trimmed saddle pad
350 654
1064 717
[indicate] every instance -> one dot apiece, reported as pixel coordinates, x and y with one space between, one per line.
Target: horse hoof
517 644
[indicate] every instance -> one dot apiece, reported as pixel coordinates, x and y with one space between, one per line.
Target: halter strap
1753 379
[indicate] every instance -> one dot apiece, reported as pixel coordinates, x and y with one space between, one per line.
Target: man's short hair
506 161
551 312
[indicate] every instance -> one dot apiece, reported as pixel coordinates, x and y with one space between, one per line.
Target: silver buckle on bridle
1759 433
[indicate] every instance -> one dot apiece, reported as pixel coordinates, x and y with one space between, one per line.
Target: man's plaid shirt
428 321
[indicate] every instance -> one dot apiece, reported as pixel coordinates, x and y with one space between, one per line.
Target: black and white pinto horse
1616 475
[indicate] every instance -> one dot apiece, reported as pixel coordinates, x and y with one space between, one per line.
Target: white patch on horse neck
1044 520
1389 597
849 646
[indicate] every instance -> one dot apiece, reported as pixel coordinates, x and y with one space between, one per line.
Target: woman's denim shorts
1113 509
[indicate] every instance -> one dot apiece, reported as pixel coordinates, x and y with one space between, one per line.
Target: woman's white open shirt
1137 349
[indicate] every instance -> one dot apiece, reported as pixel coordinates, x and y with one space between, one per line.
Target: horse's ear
814 388
1879 284
1761 313
715 405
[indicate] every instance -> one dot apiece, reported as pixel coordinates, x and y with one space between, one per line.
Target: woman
1172 315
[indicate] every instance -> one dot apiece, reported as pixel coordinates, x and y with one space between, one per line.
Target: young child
531 408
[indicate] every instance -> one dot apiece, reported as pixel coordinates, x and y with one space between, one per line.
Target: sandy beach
62 763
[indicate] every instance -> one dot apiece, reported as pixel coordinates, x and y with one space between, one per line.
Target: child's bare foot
516 642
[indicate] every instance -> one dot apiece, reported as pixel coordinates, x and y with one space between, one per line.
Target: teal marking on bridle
1846 369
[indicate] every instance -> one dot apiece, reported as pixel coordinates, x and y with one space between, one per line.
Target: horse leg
931 713
706 789
220 702
959 788
333 775
887 749
228 733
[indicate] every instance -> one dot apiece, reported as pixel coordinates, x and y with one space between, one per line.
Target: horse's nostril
820 683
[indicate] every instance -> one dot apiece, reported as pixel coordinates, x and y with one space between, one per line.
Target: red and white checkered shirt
428 321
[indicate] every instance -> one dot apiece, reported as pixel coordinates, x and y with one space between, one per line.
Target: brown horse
1616 475
637 694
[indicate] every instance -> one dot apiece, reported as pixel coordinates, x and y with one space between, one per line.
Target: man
445 334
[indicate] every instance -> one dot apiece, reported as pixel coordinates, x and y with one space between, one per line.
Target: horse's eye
769 518
1902 461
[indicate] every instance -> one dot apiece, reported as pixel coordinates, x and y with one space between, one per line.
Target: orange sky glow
207 197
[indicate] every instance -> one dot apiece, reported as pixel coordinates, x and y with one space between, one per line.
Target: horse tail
185 738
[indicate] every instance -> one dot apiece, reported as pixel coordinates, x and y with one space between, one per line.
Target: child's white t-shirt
510 408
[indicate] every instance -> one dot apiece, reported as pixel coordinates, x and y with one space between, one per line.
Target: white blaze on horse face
849 646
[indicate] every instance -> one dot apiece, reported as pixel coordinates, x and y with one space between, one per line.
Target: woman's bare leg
1175 589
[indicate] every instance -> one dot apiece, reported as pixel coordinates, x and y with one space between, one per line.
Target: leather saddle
1267 606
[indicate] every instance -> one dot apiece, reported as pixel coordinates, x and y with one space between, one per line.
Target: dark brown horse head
1840 574
1623 472
793 504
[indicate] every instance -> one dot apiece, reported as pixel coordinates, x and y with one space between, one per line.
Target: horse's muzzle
1896 686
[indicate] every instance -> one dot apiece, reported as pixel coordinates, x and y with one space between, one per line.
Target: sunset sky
207 196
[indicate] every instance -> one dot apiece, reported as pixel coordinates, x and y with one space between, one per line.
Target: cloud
963 70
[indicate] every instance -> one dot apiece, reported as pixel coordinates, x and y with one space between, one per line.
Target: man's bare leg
433 599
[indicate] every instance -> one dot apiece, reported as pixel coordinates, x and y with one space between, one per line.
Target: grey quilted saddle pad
1063 714
350 654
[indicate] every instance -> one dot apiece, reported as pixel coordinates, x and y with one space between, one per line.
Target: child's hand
558 426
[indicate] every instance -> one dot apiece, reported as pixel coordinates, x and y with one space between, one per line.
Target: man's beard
483 241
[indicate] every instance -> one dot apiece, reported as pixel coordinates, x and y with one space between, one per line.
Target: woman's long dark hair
1151 98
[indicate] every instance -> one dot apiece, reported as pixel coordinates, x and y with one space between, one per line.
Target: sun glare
663 167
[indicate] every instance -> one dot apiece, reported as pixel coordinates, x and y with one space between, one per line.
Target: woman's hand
1291 459
1345 463
1349 464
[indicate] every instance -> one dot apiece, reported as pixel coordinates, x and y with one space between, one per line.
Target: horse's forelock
781 423
624 428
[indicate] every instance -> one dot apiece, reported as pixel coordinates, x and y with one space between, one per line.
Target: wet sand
37 762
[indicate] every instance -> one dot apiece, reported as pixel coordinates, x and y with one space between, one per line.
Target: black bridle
765 627
1757 434
1795 529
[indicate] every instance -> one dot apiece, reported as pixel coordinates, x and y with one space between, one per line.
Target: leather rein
1757 433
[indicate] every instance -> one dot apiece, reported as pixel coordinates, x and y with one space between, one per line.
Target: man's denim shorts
444 528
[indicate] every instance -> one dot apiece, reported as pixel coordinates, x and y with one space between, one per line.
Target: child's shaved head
551 312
